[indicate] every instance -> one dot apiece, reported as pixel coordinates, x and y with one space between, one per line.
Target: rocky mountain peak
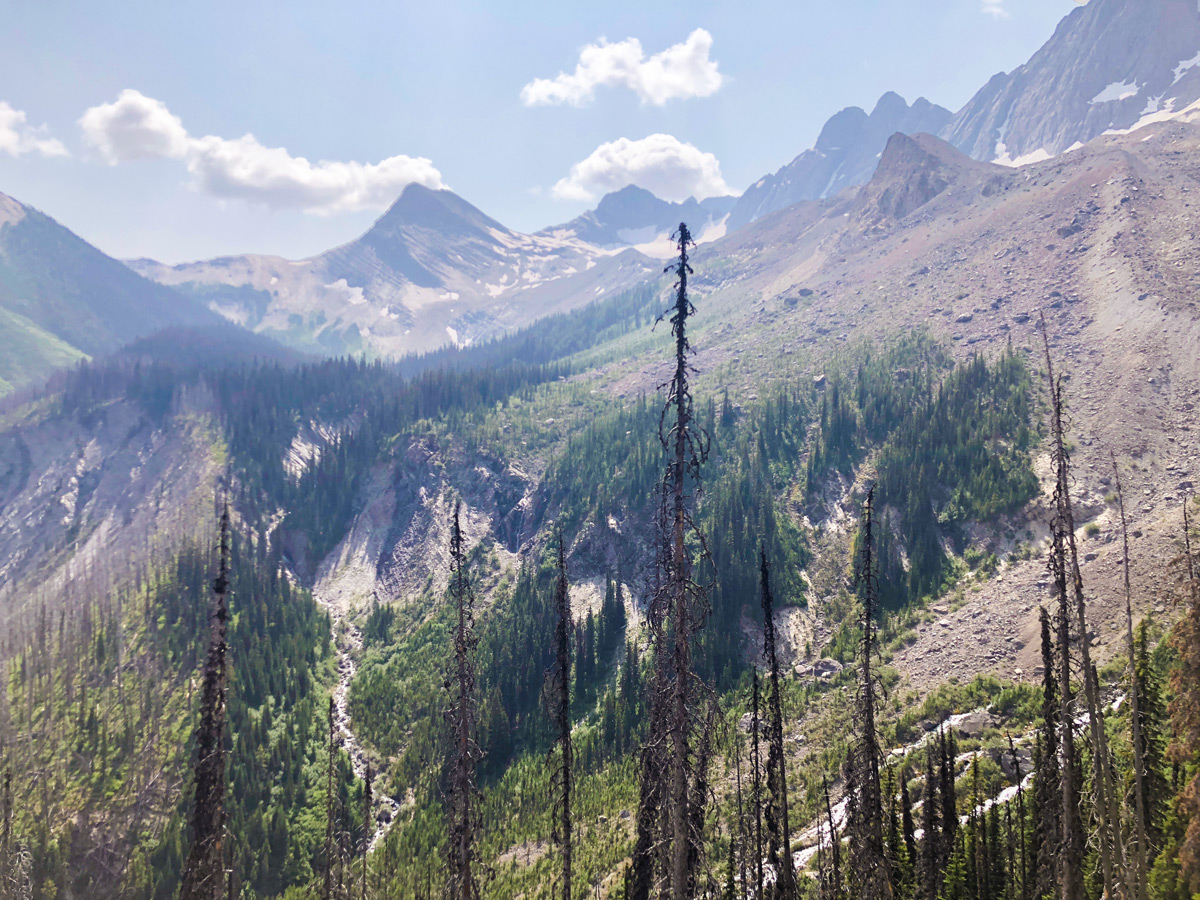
1111 65
442 211
912 171
845 154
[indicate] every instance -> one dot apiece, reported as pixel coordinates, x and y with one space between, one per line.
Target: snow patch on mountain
1118 90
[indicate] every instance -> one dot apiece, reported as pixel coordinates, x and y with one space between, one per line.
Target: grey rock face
1109 65
846 154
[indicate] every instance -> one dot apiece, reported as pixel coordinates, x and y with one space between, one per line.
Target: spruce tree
930 869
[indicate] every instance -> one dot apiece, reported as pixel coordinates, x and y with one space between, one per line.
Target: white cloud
17 138
134 126
682 70
660 163
139 127
995 9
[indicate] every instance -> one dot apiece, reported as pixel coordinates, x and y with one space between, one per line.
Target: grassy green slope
27 350
53 281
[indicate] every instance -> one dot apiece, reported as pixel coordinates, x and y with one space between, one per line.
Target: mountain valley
445 399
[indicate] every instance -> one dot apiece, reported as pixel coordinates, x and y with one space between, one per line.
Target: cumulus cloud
135 126
18 138
660 163
682 70
995 9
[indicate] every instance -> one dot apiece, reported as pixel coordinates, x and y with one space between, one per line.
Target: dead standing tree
756 790
1069 583
1139 763
204 871
558 695
868 870
674 786
780 851
462 812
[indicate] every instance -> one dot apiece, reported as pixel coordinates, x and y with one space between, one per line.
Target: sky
182 131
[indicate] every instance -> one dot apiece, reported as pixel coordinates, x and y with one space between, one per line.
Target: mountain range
435 271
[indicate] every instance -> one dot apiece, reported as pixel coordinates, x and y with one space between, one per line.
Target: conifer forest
180 723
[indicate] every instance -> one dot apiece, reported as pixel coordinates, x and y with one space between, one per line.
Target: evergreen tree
930 868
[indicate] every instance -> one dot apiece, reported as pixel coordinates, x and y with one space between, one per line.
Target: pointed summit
845 155
912 171
438 210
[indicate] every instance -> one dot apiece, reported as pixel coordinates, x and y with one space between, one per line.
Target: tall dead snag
756 791
329 842
869 872
1069 582
204 871
1185 709
1139 763
780 852
680 737
462 810
366 841
1048 790
646 863
559 697
835 848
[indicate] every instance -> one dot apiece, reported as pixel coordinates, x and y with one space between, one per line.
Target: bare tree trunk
204 871
756 780
1139 763
835 845
680 737
329 807
463 813
366 842
1106 813
868 861
560 699
741 811
785 882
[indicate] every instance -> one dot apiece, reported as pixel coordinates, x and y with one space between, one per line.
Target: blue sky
126 121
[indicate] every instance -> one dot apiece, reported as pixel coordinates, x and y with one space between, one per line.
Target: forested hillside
794 597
